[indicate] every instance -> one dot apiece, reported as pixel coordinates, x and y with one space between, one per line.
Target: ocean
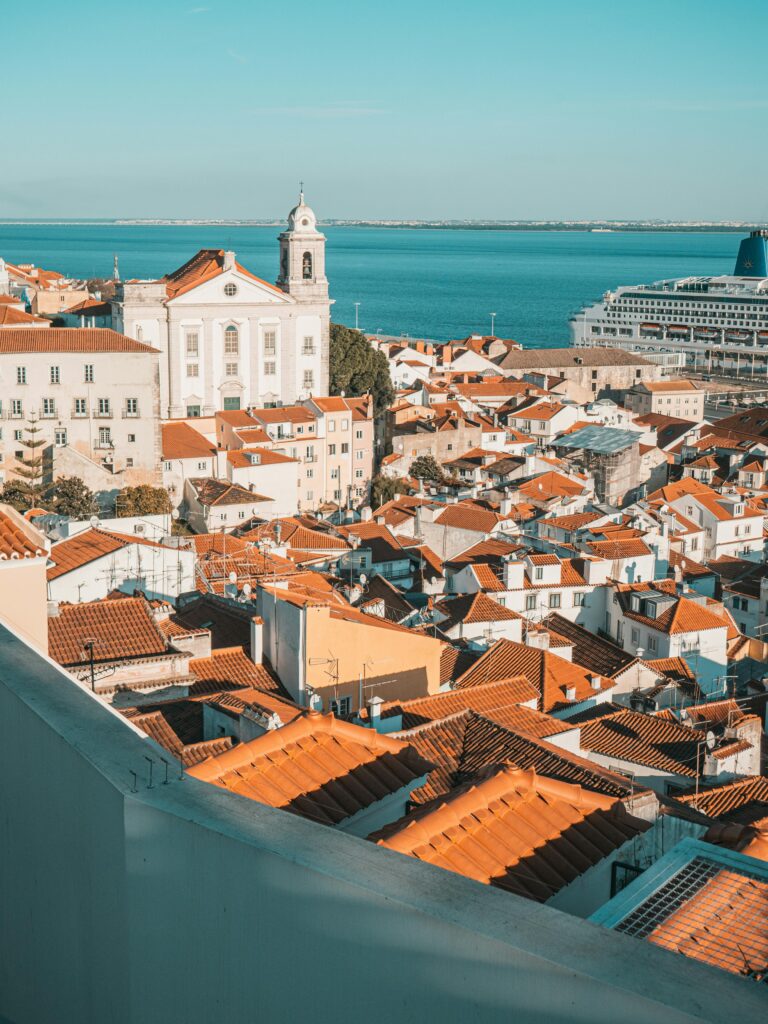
423 282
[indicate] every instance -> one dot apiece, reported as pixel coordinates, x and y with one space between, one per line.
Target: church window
230 369
308 348
306 266
230 288
269 369
231 341
139 333
270 339
309 379
284 263
192 339
193 370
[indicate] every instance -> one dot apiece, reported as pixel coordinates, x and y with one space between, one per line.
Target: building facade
230 340
95 396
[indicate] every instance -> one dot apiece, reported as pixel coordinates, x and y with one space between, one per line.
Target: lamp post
357 312
493 321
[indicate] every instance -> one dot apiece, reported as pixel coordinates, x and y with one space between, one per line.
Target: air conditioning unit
108 460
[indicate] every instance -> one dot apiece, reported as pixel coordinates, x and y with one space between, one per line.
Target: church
230 340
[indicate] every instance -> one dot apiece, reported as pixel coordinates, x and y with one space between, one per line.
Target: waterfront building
230 340
715 324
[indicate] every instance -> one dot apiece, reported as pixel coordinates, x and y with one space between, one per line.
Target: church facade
228 339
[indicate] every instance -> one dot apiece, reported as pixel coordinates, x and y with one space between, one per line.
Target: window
193 411
310 495
579 599
231 341
530 602
81 408
193 370
335 473
17 409
21 375
167 466
652 642
129 463
230 369
358 474
635 636
231 403
193 344
306 266
331 425
202 466
60 438
538 573
345 448
310 474
105 437
230 289
308 347
55 375
131 439
309 379
331 449
270 345
345 424
360 455
554 600
131 407
104 407
88 373
270 369
358 435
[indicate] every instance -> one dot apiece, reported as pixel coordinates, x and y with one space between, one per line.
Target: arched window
139 333
231 341
306 266
284 263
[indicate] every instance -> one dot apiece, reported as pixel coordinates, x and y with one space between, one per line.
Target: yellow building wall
24 600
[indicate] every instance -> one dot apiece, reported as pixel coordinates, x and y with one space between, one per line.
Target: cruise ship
711 325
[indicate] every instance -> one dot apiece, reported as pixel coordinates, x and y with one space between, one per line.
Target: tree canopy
356 367
426 467
143 500
69 496
384 489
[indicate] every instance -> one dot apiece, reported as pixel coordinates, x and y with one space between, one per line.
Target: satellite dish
363 579
710 739
246 589
94 520
233 577
175 514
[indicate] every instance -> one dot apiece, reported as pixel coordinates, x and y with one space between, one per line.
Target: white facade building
230 340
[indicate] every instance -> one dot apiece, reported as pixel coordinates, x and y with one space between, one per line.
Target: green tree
426 467
30 467
356 367
143 500
384 489
15 494
68 496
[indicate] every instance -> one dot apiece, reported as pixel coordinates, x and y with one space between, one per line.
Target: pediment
250 291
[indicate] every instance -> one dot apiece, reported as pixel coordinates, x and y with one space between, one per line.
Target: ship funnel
752 260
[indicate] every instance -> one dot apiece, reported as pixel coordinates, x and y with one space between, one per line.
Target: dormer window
738 510
306 266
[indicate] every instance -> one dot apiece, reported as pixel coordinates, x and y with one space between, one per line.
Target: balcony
129 415
105 414
50 414
79 414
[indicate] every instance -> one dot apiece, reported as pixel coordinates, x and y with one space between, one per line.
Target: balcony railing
130 414
105 414
49 414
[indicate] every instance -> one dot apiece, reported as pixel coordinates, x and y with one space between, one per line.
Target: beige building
95 396
23 558
681 399
604 372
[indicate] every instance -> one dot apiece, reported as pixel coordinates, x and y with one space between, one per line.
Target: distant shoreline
596 227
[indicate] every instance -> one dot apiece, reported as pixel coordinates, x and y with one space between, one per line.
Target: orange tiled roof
551 485
319 767
300 533
69 339
644 739
499 701
518 831
540 411
18 539
156 725
722 924
240 458
741 800
473 608
204 266
119 629
469 516
180 441
684 615
285 414
668 385
253 436
230 668
11 317
574 521
490 552
210 491
85 547
632 547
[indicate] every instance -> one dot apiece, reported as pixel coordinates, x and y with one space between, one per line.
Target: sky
422 109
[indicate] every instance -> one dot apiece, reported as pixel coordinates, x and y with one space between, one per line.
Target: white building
230 340
95 396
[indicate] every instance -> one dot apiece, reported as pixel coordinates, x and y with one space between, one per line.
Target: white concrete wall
143 905
159 572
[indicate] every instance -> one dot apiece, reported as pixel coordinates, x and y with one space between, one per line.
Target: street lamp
357 312
493 321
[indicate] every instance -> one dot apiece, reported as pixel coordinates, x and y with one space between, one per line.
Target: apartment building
95 396
679 398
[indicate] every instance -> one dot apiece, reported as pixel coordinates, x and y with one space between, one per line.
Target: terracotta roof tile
230 668
318 767
646 740
69 339
471 609
518 831
491 551
75 552
738 800
119 629
18 538
204 266
180 441
499 701
210 491
591 651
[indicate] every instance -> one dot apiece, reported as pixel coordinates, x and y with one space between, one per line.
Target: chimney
229 261
366 513
596 682
374 710
257 639
570 693
53 609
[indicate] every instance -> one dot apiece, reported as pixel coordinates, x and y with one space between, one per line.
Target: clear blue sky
508 109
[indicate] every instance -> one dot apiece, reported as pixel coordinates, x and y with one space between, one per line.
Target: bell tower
302 256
